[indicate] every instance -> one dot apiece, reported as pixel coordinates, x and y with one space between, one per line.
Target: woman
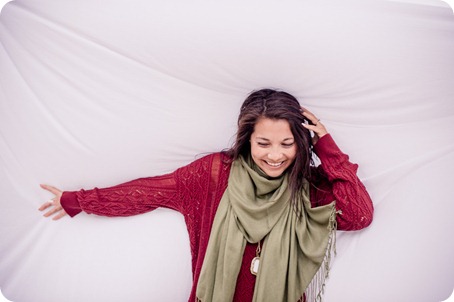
261 207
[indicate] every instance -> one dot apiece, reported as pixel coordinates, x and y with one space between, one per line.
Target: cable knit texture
196 190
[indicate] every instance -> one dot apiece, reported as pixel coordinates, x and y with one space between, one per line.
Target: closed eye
287 145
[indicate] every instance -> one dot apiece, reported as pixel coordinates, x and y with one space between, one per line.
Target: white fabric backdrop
95 93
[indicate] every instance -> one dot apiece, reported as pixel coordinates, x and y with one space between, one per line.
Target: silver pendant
255 265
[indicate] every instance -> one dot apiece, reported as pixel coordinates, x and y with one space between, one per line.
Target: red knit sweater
196 190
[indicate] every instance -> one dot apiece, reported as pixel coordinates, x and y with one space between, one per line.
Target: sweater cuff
326 147
70 203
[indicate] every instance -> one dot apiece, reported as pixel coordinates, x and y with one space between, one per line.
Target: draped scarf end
315 290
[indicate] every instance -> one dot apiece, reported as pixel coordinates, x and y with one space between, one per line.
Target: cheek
256 153
292 154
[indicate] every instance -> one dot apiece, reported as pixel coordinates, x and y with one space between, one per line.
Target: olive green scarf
254 207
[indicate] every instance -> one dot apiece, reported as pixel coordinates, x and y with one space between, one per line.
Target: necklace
256 261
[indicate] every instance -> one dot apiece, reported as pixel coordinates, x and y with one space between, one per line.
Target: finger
310 127
51 189
318 129
45 205
305 110
59 215
311 117
53 211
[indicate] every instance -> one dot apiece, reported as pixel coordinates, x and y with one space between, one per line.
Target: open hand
53 205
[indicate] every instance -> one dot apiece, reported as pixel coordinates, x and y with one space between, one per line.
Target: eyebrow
266 139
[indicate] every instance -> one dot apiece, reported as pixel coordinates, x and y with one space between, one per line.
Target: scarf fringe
316 289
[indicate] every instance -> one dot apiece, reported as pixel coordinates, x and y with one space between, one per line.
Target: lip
274 165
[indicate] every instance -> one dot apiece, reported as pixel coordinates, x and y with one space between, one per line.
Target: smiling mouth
275 165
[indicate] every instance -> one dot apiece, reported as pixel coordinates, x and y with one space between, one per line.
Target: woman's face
273 146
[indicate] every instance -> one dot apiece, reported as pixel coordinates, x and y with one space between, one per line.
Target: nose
274 155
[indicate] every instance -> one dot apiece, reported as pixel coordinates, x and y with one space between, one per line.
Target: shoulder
208 162
207 171
218 157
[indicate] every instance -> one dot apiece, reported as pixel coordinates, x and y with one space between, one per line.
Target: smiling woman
266 199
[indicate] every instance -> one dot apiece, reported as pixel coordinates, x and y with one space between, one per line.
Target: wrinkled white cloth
95 93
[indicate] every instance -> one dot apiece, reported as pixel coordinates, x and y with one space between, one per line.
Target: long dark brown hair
274 104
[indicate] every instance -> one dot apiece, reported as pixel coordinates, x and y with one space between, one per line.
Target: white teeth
274 164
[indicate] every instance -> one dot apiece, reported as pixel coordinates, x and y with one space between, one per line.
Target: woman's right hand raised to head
53 205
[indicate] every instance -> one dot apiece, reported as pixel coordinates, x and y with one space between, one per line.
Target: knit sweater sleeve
136 196
336 179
